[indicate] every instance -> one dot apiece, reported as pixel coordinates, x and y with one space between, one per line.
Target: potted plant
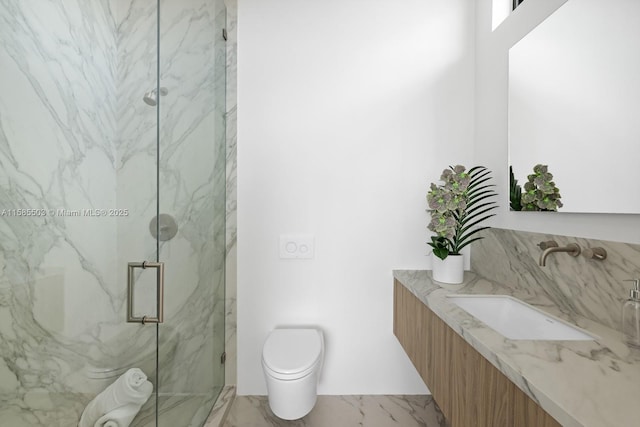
457 207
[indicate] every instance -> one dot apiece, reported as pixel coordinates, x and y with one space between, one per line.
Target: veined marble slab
579 383
220 410
585 287
343 411
232 192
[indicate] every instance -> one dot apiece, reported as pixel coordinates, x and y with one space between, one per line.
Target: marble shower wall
76 135
58 130
232 194
589 288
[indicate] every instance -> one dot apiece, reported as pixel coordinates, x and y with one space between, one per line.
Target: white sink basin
517 320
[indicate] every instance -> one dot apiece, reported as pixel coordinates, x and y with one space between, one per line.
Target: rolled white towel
121 417
122 400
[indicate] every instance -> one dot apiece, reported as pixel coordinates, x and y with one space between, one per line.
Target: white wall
346 112
492 50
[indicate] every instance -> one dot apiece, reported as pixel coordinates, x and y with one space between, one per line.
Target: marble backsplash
594 289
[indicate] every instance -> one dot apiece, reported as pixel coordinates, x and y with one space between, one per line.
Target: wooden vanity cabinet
469 390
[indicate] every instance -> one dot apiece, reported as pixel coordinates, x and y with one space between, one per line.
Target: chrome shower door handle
159 266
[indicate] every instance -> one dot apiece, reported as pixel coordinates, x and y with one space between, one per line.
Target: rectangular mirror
574 105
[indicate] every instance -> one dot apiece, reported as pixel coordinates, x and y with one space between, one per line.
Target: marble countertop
579 383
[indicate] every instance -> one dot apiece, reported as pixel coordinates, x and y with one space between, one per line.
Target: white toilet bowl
292 361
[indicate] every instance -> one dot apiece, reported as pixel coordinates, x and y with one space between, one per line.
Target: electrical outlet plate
298 246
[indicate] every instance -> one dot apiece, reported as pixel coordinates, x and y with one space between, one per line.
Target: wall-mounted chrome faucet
551 247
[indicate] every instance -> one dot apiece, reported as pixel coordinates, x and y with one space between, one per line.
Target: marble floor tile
222 407
342 411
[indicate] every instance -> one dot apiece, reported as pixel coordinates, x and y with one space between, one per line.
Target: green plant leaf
515 192
441 253
473 240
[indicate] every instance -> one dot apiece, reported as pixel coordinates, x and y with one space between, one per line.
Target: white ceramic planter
449 270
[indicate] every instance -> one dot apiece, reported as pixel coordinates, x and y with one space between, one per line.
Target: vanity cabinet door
410 324
469 390
528 413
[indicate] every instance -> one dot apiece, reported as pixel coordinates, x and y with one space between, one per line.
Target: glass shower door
192 158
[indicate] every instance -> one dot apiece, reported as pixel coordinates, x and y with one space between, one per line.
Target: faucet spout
572 249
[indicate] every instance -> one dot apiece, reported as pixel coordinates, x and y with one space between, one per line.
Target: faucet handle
548 244
595 253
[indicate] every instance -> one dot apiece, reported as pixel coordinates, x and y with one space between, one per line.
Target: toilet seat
292 353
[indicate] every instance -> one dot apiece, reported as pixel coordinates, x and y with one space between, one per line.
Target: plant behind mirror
458 206
540 192
515 192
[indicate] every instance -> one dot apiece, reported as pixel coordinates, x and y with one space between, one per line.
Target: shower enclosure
112 153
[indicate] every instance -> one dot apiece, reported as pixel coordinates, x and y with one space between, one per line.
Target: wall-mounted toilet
292 361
